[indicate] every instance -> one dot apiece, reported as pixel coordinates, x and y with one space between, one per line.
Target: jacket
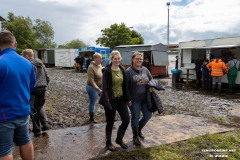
217 68
107 92
154 103
42 78
153 100
17 80
155 84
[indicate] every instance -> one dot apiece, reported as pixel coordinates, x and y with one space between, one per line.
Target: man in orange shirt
217 68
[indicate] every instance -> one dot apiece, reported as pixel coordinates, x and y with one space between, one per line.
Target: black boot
230 88
91 119
109 144
120 135
136 140
233 88
140 131
219 88
213 88
45 127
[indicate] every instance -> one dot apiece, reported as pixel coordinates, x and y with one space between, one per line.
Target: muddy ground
67 101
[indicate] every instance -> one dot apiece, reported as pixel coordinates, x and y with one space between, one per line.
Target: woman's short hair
114 53
97 55
6 38
28 52
135 54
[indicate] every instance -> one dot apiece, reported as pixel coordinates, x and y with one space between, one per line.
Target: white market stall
191 50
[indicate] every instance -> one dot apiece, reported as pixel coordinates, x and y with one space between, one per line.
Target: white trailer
189 52
65 57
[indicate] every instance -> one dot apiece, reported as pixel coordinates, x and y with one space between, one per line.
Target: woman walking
138 77
114 99
94 83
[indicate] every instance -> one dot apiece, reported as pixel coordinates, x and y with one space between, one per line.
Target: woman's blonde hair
114 53
97 55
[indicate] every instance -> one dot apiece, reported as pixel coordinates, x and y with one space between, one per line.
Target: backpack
233 71
41 80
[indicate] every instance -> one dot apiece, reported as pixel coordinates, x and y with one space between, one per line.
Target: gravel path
67 101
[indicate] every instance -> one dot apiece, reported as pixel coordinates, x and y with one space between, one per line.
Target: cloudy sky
84 19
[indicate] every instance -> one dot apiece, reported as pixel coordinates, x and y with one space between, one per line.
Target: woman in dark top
114 99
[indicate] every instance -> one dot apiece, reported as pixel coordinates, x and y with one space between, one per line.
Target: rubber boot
140 131
213 88
91 119
136 140
219 88
230 88
109 144
120 135
45 127
233 88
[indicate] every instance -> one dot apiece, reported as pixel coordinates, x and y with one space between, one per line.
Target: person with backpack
232 72
38 95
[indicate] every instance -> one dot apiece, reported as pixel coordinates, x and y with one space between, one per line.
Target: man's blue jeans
135 109
93 95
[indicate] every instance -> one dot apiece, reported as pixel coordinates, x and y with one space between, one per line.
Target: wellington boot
140 131
136 140
109 144
119 139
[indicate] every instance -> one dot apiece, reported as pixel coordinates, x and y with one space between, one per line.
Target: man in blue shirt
17 80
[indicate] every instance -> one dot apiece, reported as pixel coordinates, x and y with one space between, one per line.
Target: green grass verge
193 149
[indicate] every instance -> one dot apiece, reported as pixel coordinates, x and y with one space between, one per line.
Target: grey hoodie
137 81
42 78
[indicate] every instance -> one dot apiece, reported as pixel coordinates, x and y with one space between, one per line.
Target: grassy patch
216 146
218 119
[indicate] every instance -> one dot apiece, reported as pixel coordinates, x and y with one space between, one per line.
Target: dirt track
67 101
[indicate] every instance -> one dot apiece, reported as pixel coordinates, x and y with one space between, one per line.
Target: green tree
44 34
75 44
22 28
119 35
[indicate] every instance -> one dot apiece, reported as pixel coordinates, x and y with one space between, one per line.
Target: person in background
115 98
146 62
38 95
198 65
138 77
206 78
176 63
17 80
81 62
88 62
233 66
217 67
77 65
94 83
